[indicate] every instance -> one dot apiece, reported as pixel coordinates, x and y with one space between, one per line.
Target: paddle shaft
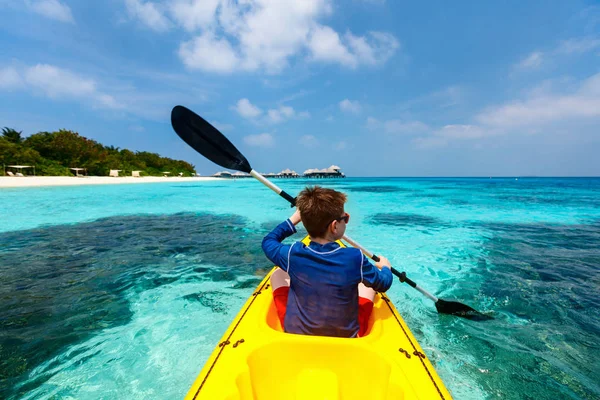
401 275
212 144
273 187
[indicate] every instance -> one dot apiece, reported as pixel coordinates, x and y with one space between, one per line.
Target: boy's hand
383 262
296 218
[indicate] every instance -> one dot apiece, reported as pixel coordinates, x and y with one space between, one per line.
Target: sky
377 87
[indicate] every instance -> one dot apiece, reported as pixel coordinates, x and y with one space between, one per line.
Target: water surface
123 291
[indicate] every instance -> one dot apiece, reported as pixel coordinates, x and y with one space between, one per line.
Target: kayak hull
255 359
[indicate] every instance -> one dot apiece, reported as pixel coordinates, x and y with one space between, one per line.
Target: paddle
212 144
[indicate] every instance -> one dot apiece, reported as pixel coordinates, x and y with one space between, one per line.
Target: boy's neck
321 240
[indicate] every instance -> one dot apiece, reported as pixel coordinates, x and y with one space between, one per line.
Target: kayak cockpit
310 369
255 359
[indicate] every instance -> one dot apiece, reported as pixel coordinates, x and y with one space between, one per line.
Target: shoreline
40 181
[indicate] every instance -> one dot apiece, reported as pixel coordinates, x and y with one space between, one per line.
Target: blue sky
378 87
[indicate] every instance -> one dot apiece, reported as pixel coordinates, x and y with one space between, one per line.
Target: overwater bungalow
240 174
223 174
288 173
332 172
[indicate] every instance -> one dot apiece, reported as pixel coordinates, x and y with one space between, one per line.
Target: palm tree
12 135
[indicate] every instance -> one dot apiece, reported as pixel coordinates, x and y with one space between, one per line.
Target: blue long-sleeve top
323 297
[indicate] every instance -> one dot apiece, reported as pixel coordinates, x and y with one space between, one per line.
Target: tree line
53 153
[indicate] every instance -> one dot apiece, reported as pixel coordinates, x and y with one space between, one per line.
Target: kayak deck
255 359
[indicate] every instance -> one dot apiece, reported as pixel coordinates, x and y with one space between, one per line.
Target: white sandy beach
33 181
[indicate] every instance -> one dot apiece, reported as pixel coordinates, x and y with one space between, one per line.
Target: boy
322 289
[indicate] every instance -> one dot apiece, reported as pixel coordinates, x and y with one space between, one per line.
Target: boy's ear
333 226
330 228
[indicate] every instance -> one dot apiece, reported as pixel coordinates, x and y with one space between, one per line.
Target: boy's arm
275 251
379 280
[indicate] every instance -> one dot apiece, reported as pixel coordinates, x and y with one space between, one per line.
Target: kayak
255 359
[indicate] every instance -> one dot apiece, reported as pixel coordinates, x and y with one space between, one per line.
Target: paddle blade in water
207 140
460 310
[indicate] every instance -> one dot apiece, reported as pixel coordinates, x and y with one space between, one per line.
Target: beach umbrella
22 167
212 144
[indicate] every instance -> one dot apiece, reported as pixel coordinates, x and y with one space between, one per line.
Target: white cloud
565 48
52 9
350 106
534 60
149 14
444 135
281 114
325 45
260 140
284 113
375 48
541 111
308 141
544 109
9 78
441 137
272 31
404 127
427 136
209 54
578 45
373 123
449 96
194 14
56 83
247 109
263 35
272 116
221 126
106 100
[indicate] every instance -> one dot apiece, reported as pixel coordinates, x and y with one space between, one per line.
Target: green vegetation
53 153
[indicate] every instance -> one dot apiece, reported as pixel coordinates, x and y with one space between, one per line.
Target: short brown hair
319 207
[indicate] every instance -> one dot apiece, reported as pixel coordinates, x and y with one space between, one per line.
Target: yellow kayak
255 359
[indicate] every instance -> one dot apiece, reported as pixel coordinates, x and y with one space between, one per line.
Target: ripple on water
379 189
544 341
406 220
62 284
124 293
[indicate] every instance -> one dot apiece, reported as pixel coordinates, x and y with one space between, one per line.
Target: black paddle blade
460 310
207 140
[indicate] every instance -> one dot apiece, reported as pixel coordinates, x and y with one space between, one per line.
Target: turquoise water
122 291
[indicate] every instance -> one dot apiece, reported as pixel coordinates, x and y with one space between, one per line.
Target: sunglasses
345 218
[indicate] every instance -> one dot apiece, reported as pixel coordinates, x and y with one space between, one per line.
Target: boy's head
319 207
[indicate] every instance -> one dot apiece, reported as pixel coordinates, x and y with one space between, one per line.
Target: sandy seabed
34 181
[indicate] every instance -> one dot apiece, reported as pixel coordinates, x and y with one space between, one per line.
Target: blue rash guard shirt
323 297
